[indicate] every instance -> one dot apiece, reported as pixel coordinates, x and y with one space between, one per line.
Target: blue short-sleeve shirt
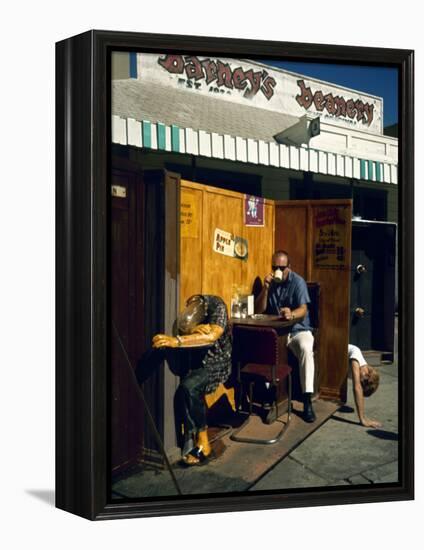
291 293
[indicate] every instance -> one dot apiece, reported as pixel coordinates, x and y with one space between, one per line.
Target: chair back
255 345
314 290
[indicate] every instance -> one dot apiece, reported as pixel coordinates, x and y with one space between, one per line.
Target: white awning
172 138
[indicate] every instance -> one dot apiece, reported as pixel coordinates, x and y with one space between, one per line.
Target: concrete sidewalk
342 452
336 450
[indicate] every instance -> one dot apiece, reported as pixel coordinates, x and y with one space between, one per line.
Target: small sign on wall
330 232
119 191
223 242
254 211
229 245
189 215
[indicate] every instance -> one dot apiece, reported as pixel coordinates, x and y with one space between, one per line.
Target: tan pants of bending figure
301 344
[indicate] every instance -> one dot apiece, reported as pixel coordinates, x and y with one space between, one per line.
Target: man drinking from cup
285 293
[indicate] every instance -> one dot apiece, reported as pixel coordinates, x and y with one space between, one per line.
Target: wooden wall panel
220 272
292 234
204 270
335 299
297 230
261 246
191 244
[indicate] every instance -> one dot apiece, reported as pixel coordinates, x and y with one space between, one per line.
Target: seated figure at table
285 293
203 321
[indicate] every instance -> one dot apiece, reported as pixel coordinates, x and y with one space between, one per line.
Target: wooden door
127 298
317 236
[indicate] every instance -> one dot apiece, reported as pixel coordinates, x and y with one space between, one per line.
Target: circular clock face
240 248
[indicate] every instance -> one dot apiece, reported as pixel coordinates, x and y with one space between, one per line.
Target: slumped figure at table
203 321
285 293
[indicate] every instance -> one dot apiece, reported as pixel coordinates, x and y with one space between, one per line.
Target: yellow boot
203 442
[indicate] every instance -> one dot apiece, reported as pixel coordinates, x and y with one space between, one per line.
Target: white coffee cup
278 275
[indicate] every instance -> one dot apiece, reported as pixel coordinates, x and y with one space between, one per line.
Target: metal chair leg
241 439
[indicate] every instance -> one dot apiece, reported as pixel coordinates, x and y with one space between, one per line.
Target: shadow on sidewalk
383 434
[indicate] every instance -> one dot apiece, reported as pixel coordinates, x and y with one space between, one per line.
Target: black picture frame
82 333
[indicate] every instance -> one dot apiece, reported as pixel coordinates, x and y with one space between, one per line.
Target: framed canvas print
234 275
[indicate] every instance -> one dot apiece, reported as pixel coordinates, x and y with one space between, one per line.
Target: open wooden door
144 259
127 278
317 236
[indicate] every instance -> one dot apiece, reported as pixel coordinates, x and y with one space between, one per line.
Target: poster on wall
229 245
223 242
189 215
330 234
254 211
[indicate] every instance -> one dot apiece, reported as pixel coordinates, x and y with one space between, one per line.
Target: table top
263 320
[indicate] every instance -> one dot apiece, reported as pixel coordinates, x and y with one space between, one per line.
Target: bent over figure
365 381
203 321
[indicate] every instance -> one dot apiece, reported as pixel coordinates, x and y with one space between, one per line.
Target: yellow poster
189 214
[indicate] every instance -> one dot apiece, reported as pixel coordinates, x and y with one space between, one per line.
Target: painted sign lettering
335 105
220 74
330 238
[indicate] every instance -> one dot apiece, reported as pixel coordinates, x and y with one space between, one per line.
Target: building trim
158 136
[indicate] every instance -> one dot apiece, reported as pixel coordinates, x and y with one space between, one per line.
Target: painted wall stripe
356 169
252 151
147 134
134 132
168 146
322 162
175 139
304 159
331 168
386 173
241 149
205 145
264 152
394 174
229 148
370 170
340 165
192 145
294 157
363 174
313 160
119 130
161 135
133 65
274 156
182 141
154 136
348 167
217 146
284 156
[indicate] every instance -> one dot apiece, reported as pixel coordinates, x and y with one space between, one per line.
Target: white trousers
301 344
355 353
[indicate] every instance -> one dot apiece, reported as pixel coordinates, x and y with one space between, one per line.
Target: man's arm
262 298
202 334
358 395
296 314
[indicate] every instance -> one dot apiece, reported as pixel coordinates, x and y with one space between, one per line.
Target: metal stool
256 352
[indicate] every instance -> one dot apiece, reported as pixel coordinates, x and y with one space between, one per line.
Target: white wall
29 30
